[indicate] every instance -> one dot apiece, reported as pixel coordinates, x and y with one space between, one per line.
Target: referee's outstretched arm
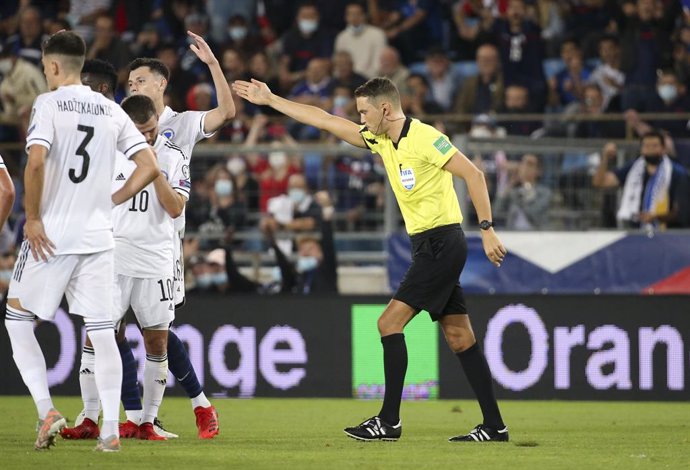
258 93
459 165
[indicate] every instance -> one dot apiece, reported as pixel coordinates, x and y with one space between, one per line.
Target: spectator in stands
482 93
566 87
646 47
147 43
200 98
22 82
608 74
197 23
304 42
655 188
359 190
593 104
443 82
317 90
363 41
525 206
240 37
421 100
343 102
233 65
28 41
57 24
670 97
108 46
274 180
227 205
247 186
209 273
180 80
522 51
222 13
410 27
391 68
343 71
681 62
517 101
83 14
550 16
468 16
587 20
296 211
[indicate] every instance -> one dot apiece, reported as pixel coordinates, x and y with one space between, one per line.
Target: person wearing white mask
247 186
305 41
227 207
241 38
363 41
295 211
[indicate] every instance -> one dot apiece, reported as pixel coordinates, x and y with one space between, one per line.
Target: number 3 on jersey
81 151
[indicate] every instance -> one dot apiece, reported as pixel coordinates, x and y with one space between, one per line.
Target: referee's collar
403 132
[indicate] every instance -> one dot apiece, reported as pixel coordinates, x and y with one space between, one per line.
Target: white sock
29 358
200 400
108 372
87 384
155 379
134 416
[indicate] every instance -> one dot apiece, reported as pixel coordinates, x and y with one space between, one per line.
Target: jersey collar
167 113
403 132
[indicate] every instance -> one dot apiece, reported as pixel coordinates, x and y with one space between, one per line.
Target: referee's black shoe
375 429
483 433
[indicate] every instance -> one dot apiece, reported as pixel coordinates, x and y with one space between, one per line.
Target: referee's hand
493 248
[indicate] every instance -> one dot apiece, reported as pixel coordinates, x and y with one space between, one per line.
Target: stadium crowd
447 57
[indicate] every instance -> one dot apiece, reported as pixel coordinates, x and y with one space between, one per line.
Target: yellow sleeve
434 146
370 140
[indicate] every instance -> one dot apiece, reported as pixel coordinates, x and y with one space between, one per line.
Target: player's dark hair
307 4
139 108
378 87
654 134
155 65
69 45
101 72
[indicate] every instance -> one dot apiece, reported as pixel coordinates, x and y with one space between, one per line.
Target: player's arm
6 195
219 116
146 171
258 93
172 201
460 166
34 232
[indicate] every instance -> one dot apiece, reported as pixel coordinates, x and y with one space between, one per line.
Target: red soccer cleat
129 430
86 430
147 433
207 422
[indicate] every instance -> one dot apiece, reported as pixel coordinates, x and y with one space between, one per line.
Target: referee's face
370 115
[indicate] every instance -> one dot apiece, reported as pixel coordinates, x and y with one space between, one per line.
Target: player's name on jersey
81 107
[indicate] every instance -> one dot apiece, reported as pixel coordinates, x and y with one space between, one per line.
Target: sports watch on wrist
486 224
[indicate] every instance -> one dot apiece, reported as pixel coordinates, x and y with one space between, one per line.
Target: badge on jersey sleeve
407 177
168 133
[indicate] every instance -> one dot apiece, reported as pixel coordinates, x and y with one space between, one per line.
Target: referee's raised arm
258 93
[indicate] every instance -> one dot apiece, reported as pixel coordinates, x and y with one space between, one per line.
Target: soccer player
420 163
68 248
144 246
6 193
150 77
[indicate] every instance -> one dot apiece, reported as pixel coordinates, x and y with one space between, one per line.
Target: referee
420 162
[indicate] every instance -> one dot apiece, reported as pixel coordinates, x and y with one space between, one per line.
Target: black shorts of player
432 282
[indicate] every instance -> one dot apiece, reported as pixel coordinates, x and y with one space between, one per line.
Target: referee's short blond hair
377 88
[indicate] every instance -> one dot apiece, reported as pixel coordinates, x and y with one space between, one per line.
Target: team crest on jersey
185 171
168 133
407 178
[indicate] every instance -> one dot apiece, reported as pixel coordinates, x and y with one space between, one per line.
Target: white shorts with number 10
150 299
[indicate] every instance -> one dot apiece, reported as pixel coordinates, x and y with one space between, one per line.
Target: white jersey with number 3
82 131
144 231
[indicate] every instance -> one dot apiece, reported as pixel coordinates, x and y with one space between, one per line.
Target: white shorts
150 299
178 259
86 280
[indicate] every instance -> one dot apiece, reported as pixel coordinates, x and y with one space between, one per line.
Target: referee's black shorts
432 282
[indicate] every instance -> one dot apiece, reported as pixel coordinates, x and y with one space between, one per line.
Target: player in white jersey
6 193
150 77
68 249
144 239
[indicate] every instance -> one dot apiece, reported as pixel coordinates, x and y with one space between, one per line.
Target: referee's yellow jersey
424 190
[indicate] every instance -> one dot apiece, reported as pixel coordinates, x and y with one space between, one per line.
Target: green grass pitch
307 433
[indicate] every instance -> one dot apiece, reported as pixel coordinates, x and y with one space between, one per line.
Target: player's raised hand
40 244
201 49
255 91
493 248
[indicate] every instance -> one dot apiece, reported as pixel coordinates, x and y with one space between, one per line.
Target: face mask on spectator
306 263
204 281
5 66
277 160
356 29
653 160
223 188
237 33
667 92
218 279
236 166
340 101
307 26
297 195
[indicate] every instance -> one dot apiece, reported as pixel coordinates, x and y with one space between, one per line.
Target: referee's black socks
394 366
479 376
